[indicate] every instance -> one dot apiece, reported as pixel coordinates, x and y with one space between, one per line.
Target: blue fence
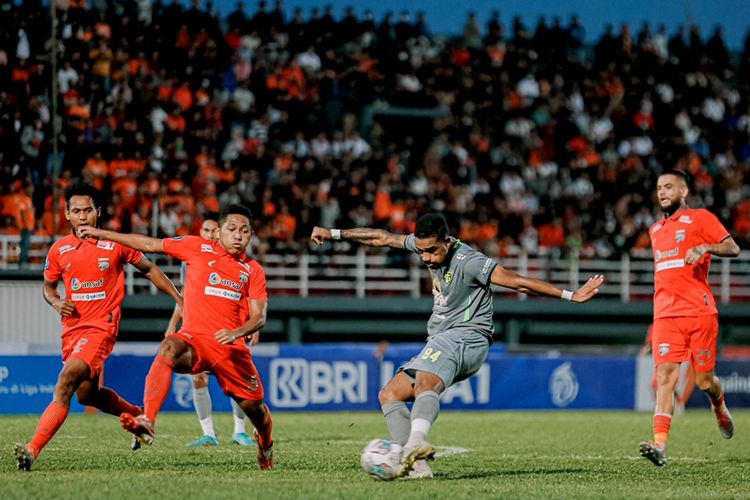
348 377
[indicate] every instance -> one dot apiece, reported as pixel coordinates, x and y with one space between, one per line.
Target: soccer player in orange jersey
209 230
225 301
93 276
686 322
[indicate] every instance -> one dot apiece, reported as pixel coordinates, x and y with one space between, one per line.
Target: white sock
239 418
202 402
420 428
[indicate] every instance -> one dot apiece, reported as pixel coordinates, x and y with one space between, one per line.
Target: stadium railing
372 272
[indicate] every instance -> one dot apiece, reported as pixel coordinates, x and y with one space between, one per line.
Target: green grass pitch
481 455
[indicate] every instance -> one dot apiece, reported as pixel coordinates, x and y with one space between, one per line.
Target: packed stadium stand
525 137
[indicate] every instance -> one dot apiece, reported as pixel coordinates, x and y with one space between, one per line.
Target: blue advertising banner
346 377
28 382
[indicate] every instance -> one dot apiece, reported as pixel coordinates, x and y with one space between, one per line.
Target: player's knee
665 376
704 381
170 349
386 396
67 384
200 381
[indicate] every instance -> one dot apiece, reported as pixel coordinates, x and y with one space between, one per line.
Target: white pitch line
446 451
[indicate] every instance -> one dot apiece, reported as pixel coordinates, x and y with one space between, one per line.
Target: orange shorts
675 340
91 343
231 364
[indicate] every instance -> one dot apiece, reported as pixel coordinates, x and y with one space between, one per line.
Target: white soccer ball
380 459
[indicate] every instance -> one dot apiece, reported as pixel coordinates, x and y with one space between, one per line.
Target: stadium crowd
523 136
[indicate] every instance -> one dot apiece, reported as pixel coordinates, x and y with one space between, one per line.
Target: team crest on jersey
206 248
703 357
685 219
679 235
103 263
105 245
448 277
243 277
66 248
252 383
214 279
663 349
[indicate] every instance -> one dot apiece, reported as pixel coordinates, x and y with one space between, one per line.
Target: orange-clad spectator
182 40
210 200
176 122
468 230
183 96
165 91
48 217
742 219
97 168
127 189
552 234
102 29
286 224
20 73
151 185
23 212
139 65
175 185
119 166
102 61
382 207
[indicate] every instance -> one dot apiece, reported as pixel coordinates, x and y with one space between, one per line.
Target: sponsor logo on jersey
685 219
211 263
105 245
222 292
66 248
214 279
656 228
176 238
246 266
659 255
663 349
460 256
77 284
448 277
206 248
679 235
88 297
670 264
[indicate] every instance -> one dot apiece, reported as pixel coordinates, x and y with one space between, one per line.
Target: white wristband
336 234
567 295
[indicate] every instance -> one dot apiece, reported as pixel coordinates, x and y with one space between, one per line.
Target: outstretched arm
134 241
514 281
362 235
158 278
727 248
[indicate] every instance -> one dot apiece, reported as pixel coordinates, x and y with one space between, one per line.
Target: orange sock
264 430
158 382
662 421
52 419
111 402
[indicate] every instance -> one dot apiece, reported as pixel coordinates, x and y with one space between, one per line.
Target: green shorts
452 356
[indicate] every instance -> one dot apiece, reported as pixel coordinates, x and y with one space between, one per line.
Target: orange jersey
93 276
216 285
682 289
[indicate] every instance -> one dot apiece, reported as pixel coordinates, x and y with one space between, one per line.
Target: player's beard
672 207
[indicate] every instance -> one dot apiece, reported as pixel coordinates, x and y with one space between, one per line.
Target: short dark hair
236 210
211 215
82 189
432 224
677 173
